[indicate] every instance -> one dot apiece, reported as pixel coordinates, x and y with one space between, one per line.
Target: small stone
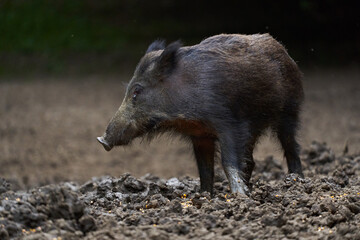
176 206
87 223
174 182
354 208
4 234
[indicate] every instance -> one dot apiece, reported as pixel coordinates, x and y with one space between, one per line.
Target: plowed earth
323 205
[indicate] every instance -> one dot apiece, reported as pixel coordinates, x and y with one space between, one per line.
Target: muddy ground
323 205
47 136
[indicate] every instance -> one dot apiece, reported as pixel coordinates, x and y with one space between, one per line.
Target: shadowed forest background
63 65
65 36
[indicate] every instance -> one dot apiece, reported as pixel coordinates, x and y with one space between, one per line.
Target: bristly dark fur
156 45
226 91
168 58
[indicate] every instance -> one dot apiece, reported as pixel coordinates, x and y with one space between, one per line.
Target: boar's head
147 101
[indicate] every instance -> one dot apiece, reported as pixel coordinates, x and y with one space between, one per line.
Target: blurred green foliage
93 36
53 26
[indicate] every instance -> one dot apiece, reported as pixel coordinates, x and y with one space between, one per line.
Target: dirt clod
322 206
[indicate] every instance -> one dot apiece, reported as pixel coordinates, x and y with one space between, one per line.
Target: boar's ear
168 58
156 45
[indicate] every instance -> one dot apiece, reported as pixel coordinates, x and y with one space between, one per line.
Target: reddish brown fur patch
191 128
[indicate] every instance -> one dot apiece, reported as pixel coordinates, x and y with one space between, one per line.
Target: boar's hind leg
204 149
233 143
250 164
286 132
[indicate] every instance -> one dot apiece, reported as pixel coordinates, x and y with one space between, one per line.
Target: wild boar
224 91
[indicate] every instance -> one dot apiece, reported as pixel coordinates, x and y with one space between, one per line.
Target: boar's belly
192 128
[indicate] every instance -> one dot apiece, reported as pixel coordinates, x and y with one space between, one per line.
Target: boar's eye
136 92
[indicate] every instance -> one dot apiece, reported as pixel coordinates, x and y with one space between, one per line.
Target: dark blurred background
63 64
109 36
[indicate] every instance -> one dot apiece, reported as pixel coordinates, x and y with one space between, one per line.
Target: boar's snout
105 144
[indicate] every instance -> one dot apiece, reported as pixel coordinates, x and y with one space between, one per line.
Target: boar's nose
104 143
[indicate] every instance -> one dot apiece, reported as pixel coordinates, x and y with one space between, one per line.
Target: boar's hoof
104 143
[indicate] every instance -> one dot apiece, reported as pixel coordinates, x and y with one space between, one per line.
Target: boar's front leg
233 141
204 150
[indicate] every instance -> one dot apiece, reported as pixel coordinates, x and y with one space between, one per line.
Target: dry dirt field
48 128
48 132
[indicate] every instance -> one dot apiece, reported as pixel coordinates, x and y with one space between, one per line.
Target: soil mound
324 205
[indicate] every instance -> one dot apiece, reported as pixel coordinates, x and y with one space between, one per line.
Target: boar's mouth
108 145
105 144
149 128
109 139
